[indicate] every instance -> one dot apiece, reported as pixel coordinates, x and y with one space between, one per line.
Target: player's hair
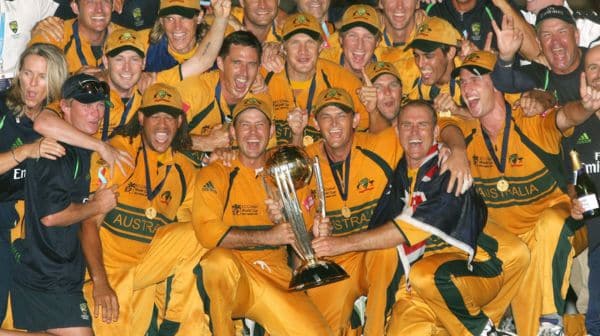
420 103
181 141
241 38
56 75
158 31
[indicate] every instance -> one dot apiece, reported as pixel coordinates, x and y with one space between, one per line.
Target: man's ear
355 120
220 63
75 7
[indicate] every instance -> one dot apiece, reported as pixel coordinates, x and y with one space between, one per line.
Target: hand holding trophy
289 168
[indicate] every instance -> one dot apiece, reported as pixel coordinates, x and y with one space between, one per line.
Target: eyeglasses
94 87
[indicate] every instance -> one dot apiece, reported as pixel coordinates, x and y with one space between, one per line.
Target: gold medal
150 213
307 140
502 185
346 212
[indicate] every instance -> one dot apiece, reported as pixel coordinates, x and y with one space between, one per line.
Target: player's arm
576 112
384 236
530 49
218 137
44 147
103 201
457 162
209 47
105 298
49 124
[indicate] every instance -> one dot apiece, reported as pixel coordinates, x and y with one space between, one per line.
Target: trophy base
320 273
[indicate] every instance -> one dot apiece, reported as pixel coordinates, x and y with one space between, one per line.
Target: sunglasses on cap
94 87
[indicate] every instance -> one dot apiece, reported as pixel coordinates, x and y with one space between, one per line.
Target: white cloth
588 30
20 17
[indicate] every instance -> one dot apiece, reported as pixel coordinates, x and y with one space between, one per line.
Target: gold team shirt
234 197
328 74
126 232
77 49
204 110
119 113
367 178
532 187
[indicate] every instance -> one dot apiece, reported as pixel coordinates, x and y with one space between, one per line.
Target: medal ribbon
500 164
150 194
78 44
341 184
311 92
224 118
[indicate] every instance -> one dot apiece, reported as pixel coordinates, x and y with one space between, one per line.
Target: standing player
246 273
48 278
517 165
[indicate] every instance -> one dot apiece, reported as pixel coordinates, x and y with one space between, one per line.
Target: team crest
472 58
365 184
127 36
162 96
423 28
165 198
301 20
251 101
333 94
515 160
476 30
360 12
85 315
14 26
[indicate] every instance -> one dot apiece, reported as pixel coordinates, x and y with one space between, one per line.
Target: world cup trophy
289 168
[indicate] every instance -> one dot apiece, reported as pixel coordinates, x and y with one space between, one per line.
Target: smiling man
558 37
516 163
304 76
212 96
147 237
84 36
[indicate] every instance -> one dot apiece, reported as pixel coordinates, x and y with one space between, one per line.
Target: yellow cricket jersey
206 105
234 197
126 230
334 51
77 50
119 113
274 34
372 159
533 169
328 74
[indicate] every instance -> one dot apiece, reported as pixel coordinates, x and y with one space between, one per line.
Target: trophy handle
320 192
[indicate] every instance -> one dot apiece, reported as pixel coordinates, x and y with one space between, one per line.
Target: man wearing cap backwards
516 162
417 208
356 43
147 237
357 168
48 276
294 89
381 95
558 37
84 36
246 273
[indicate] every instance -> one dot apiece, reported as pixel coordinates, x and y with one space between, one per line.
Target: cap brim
183 11
153 109
425 45
343 107
87 98
476 69
313 34
120 49
372 29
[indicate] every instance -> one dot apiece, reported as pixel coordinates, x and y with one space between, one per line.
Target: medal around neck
289 168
